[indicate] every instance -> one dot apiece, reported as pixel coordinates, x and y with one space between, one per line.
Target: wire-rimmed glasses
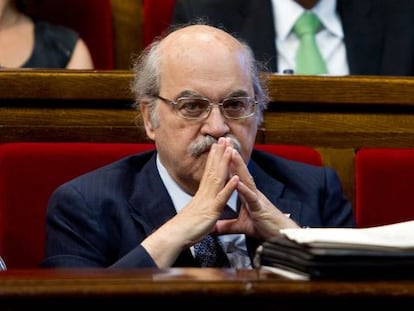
197 108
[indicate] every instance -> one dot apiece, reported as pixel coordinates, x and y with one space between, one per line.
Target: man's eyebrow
238 93
188 93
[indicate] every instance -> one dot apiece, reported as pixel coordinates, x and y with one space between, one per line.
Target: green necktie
309 60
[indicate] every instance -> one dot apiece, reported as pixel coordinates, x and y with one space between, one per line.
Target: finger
248 197
239 167
216 174
215 163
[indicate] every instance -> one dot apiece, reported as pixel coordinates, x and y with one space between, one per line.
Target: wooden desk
57 289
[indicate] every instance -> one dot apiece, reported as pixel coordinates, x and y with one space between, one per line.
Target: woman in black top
32 43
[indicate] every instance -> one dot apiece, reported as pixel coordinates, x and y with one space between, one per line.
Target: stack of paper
381 252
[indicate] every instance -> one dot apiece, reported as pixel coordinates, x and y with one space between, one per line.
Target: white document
398 236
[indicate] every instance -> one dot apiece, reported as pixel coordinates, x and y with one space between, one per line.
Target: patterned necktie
209 253
309 60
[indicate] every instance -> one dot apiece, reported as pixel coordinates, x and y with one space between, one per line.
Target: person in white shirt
356 37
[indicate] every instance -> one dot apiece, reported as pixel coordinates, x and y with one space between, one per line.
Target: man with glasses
201 99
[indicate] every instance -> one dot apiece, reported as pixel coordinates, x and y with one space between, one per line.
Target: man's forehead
198 35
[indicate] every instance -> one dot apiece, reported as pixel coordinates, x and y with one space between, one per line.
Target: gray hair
147 70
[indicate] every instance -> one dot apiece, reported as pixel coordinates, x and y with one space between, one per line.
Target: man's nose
216 122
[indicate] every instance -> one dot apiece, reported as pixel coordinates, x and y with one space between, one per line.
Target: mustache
203 144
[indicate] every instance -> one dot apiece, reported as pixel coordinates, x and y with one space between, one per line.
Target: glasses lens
193 108
238 107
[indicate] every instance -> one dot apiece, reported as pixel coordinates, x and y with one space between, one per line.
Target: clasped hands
225 172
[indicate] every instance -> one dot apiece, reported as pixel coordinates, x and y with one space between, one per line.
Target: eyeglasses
197 108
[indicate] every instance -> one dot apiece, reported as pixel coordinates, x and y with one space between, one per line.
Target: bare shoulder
81 57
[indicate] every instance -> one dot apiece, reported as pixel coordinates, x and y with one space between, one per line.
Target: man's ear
146 117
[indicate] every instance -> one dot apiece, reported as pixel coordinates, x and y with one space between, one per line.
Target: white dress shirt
330 38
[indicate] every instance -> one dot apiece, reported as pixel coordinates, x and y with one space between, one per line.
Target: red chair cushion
293 152
29 172
384 186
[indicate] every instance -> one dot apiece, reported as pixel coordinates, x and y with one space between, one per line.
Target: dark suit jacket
100 218
378 34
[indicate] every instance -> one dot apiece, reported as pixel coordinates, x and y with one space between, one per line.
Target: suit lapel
273 189
150 201
152 206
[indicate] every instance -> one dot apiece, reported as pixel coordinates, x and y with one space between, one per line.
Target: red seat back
92 19
298 153
29 172
157 15
384 186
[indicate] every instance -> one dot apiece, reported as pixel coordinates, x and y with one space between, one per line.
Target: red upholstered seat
384 185
91 18
157 16
299 153
29 172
